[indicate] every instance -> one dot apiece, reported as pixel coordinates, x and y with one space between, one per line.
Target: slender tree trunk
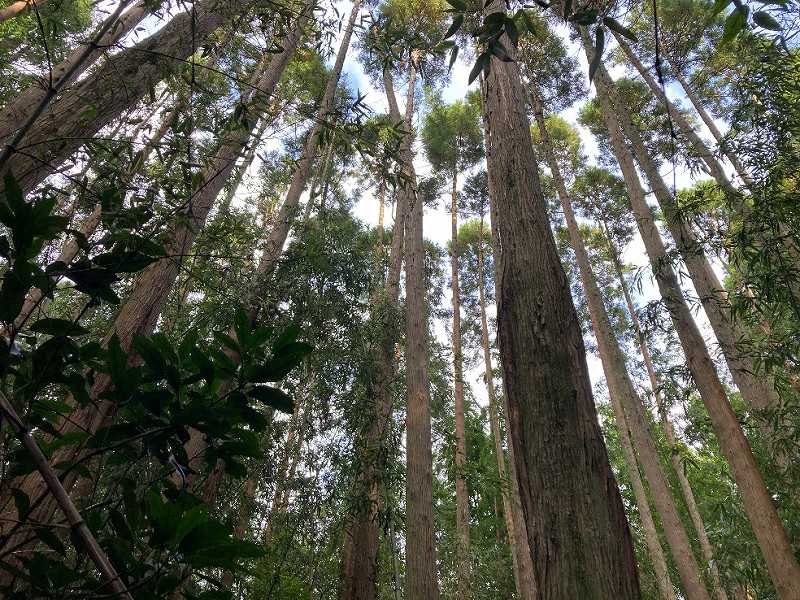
280 231
421 568
703 152
669 430
629 411
140 312
359 552
462 494
758 392
20 109
576 526
512 508
120 83
243 519
764 519
247 160
273 247
712 127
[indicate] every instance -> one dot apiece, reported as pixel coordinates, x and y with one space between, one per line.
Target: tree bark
712 127
462 494
576 526
20 109
283 222
359 552
758 392
628 411
669 430
703 152
121 82
421 568
140 312
512 509
16 8
764 519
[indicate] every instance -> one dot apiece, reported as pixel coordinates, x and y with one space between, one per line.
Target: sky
437 220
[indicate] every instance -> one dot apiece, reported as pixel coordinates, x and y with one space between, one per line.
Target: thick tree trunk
462 494
512 508
140 312
421 568
576 526
359 552
669 430
19 110
758 391
764 519
629 411
120 83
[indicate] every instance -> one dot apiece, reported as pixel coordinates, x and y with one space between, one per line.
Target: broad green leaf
58 327
273 397
766 21
615 25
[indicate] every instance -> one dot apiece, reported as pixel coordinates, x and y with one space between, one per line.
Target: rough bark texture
359 553
629 411
140 311
421 569
669 430
462 494
121 82
17 112
577 530
512 508
763 517
758 391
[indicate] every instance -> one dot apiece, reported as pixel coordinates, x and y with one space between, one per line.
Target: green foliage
452 137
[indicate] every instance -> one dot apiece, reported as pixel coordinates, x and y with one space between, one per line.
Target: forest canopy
383 299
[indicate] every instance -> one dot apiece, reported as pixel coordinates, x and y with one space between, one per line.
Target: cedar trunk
359 552
512 507
669 430
628 411
578 534
764 519
421 568
462 495
117 85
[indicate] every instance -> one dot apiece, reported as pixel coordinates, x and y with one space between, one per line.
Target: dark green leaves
766 21
599 45
481 64
615 25
458 20
735 23
273 397
58 327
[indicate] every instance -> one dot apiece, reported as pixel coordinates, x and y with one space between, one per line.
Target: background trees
248 351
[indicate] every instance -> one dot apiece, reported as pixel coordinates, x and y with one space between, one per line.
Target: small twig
61 496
